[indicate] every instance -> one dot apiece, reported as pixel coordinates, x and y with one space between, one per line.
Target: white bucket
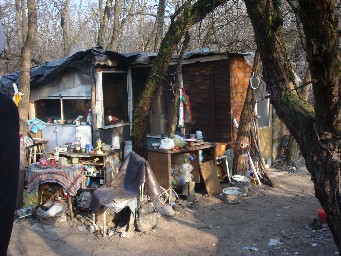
242 182
115 143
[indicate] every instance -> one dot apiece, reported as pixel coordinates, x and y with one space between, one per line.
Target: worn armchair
134 180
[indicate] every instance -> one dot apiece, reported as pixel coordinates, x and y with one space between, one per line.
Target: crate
220 148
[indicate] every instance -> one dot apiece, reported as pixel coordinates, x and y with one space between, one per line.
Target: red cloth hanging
187 107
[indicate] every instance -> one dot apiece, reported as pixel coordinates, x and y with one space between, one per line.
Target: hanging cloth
186 107
181 110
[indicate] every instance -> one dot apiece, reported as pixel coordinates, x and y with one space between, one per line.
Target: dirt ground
269 221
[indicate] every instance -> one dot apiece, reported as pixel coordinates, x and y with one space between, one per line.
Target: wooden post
69 200
104 221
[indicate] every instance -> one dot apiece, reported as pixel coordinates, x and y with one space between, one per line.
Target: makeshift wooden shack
67 90
109 84
216 84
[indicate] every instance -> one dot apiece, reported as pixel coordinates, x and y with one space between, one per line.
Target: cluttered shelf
84 155
100 176
195 147
93 164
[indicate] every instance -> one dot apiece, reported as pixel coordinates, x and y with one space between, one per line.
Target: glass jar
74 159
78 145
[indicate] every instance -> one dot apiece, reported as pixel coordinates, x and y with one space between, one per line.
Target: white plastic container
128 146
56 154
115 143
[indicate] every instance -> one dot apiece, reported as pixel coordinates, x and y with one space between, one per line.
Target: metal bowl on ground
232 195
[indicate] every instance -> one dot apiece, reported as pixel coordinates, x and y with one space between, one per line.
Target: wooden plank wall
207 85
217 91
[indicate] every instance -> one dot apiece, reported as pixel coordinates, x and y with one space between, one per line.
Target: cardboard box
220 148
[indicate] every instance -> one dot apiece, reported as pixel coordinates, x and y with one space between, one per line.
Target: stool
38 148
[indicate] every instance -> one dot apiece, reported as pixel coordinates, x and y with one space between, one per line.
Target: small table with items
202 157
96 166
70 177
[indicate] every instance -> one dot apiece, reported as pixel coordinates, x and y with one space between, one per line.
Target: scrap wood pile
256 156
248 157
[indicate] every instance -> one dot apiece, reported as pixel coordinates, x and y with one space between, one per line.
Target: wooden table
69 177
161 162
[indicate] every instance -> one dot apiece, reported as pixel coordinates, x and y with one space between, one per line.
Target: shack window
49 110
263 107
115 98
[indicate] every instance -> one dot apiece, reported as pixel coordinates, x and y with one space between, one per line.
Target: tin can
74 159
52 162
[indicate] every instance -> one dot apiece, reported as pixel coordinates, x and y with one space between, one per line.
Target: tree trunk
117 26
159 24
240 159
305 90
103 21
114 37
25 67
315 128
293 150
64 16
186 19
23 20
18 22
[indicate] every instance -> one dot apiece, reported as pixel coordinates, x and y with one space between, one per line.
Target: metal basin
232 195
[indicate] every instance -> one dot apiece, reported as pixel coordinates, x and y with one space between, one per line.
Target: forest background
67 26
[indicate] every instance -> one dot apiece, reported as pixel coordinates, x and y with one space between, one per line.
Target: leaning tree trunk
242 146
315 128
303 91
247 144
240 159
25 67
185 20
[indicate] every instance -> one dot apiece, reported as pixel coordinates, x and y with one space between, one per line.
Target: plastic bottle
56 154
88 118
115 144
127 148
87 182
